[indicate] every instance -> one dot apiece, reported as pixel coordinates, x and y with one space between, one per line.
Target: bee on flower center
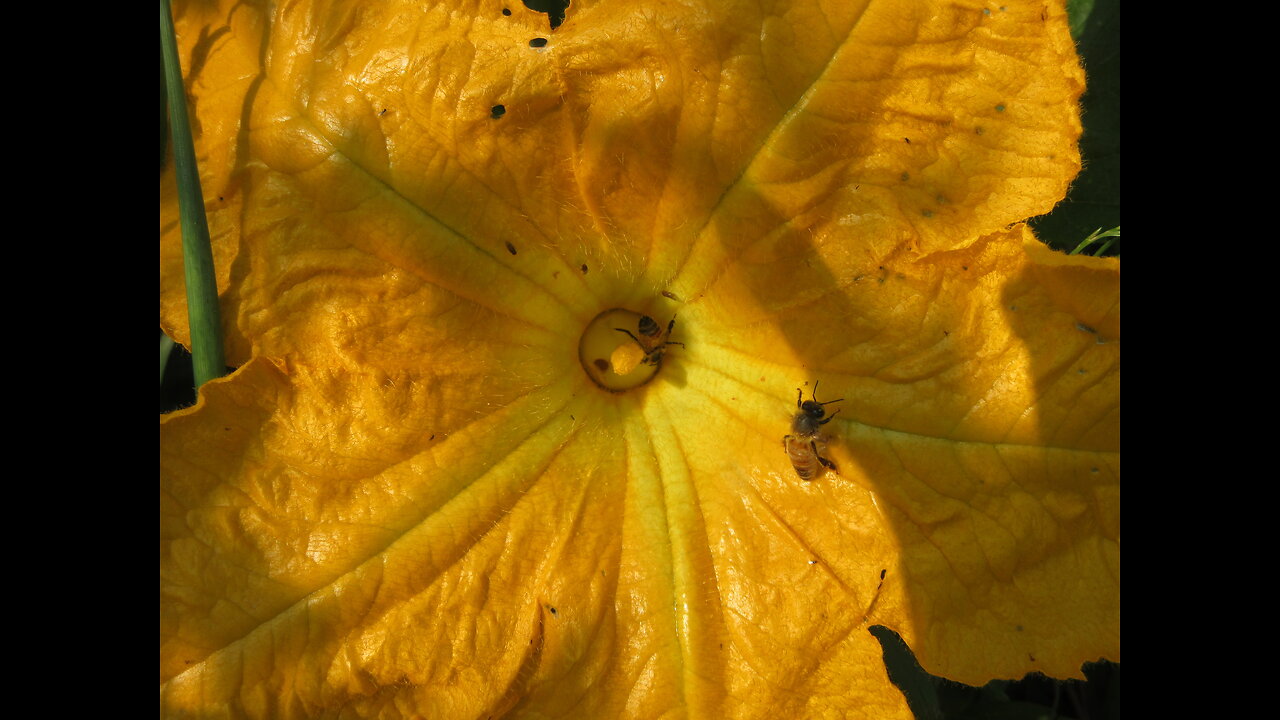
802 448
652 340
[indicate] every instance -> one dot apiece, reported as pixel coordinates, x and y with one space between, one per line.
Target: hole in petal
538 42
553 8
497 111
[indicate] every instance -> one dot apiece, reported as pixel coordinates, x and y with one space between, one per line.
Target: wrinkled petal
412 500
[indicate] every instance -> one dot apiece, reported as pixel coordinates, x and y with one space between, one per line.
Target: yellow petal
412 499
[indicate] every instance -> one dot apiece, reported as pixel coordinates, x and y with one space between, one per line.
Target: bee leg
825 462
673 342
829 418
785 438
798 396
633 337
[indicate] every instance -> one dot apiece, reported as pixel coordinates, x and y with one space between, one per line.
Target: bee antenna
815 395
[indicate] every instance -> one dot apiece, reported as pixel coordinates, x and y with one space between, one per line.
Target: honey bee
803 447
655 341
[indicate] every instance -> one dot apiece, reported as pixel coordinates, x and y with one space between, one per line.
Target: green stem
197 256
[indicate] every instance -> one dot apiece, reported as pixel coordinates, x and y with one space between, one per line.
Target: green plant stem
1096 235
1104 247
203 316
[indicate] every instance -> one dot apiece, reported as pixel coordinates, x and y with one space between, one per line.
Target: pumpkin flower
524 316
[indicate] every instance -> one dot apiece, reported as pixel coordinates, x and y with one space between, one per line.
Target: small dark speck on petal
601 363
511 248
553 610
506 11
497 111
538 42
908 140
384 112
584 268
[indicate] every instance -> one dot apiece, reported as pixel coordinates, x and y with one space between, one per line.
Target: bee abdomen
802 456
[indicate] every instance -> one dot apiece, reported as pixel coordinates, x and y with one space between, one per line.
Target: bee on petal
652 340
804 448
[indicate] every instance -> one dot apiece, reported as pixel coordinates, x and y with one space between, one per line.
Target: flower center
621 349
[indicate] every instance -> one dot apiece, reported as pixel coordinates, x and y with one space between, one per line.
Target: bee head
813 409
810 417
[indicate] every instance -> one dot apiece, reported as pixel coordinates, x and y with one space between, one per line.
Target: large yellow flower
443 485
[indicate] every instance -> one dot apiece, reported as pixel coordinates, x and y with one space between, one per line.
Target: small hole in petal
538 42
584 268
506 11
511 248
497 111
